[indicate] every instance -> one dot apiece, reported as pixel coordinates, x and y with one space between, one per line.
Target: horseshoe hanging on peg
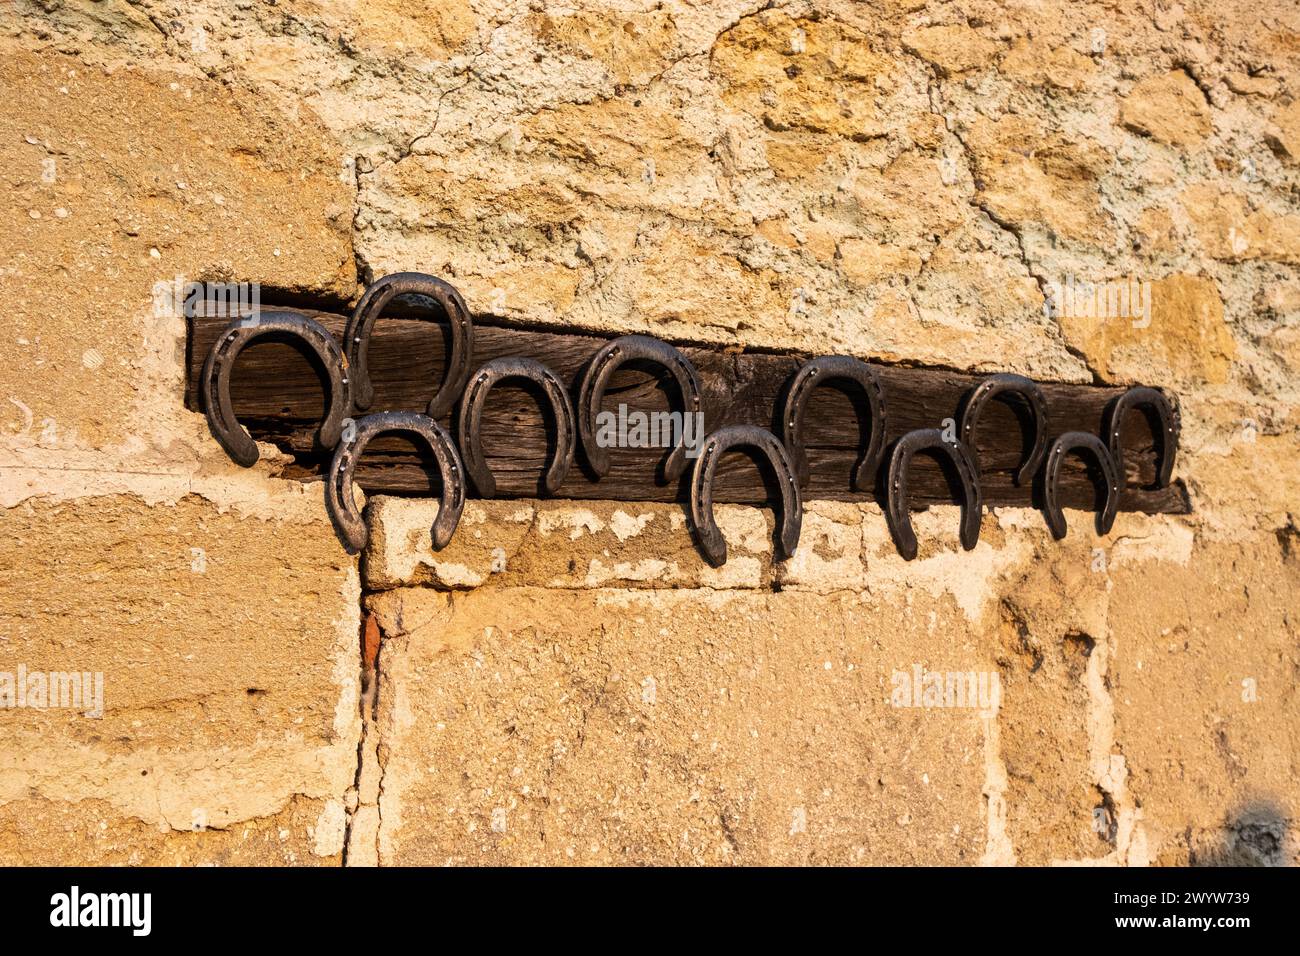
471 420
896 492
1027 391
732 436
829 368
356 337
608 360
1170 425
215 383
1080 441
342 507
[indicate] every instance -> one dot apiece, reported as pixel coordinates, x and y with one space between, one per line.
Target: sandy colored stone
631 46
909 195
635 142
91 832
1156 231
1186 339
1205 701
1035 63
228 648
927 130
1229 229
867 262
101 211
953 49
588 544
672 727
1029 178
1169 108
1247 85
427 28
803 74
1286 139
686 282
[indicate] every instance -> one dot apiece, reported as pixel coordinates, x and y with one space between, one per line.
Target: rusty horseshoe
896 496
829 368
1170 426
356 337
1080 441
342 507
731 436
1027 391
215 383
604 364
471 419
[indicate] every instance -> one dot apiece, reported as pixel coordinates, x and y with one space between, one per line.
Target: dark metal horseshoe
604 364
1006 384
1075 441
356 337
896 497
731 436
1170 427
342 507
471 417
829 368
215 383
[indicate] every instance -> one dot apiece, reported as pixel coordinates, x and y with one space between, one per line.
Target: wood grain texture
279 396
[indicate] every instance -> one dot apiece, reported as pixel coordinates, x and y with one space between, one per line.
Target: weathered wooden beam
279 397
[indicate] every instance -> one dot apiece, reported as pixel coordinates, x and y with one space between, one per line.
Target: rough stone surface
227 648
1169 108
902 181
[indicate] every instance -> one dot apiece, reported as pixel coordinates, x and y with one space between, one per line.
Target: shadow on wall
1255 835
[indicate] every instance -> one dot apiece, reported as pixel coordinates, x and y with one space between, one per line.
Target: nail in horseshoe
896 493
215 384
356 337
342 507
829 368
731 436
1079 441
471 420
603 365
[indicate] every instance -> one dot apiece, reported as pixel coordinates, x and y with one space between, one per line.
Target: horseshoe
603 365
342 507
471 417
732 436
829 368
356 337
972 505
215 383
1077 441
1025 389
1170 427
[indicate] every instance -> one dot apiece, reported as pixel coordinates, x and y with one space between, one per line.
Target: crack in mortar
369 740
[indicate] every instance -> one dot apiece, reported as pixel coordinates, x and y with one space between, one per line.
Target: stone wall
569 681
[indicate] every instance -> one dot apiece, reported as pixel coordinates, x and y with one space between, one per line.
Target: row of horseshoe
351 391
